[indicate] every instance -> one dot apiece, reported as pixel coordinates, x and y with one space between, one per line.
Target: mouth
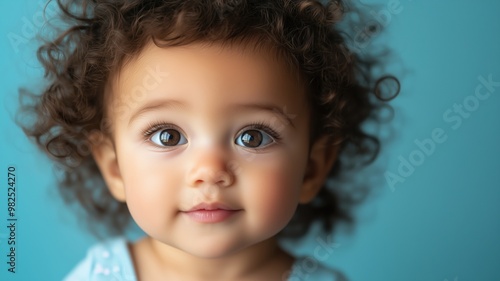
211 212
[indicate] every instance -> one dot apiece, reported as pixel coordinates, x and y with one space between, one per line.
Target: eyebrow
176 104
156 105
267 107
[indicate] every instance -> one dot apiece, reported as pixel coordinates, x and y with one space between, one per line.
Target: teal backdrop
435 215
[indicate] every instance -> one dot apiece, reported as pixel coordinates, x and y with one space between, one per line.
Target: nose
210 169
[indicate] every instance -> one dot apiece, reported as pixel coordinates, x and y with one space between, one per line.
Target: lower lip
211 216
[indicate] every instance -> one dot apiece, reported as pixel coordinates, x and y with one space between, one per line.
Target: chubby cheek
271 194
151 195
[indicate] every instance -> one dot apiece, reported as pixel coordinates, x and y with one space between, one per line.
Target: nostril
223 179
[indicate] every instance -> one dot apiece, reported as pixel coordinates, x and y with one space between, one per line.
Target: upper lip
211 206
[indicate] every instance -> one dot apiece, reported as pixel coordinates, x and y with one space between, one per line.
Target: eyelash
263 126
154 127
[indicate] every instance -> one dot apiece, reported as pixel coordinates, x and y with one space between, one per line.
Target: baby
214 125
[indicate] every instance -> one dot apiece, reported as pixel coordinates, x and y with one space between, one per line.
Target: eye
253 138
168 137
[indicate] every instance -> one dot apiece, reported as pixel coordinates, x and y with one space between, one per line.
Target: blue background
441 223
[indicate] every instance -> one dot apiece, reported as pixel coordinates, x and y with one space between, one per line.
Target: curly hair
312 37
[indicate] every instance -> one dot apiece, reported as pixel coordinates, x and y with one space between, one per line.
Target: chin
213 249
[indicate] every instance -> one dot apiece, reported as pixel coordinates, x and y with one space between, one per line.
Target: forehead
206 75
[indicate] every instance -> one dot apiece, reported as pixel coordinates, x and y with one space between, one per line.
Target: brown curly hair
101 35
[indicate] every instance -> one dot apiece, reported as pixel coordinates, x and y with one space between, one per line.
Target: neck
239 265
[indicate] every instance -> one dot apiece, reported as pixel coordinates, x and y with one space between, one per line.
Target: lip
210 212
211 206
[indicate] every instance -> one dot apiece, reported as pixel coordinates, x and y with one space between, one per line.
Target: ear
104 153
321 159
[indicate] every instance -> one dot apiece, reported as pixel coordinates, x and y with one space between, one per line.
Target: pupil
169 137
253 138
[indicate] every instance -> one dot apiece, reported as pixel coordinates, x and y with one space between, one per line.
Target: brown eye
253 139
168 137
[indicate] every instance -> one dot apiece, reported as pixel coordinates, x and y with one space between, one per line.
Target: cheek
271 192
151 189
277 198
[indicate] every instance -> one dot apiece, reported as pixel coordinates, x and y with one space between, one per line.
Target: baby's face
182 128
